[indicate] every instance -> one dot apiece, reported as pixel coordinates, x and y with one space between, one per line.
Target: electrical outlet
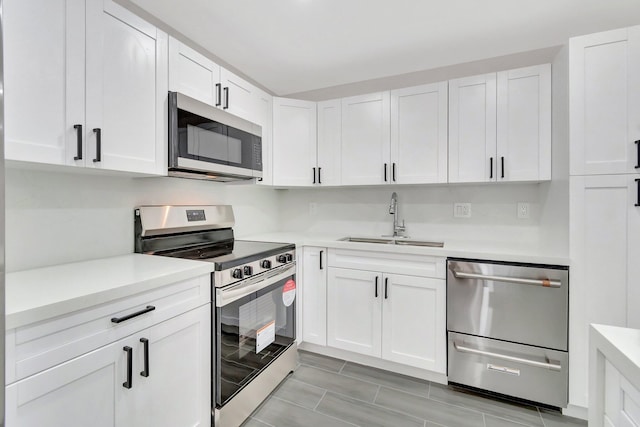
523 210
313 208
462 210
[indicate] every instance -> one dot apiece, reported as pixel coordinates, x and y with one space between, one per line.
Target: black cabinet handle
385 172
386 287
638 151
376 287
98 133
145 342
78 129
319 175
502 166
314 175
490 167
393 171
638 190
226 98
321 252
132 315
129 382
218 94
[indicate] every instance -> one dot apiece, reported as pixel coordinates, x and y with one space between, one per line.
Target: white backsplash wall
54 217
427 211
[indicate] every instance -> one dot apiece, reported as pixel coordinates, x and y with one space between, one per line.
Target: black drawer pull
319 175
393 172
638 189
132 315
385 172
129 382
145 342
98 133
502 166
218 94
376 287
314 175
78 129
321 252
386 287
637 166
226 98
490 167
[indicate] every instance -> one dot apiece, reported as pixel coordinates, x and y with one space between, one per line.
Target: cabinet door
179 377
604 249
605 102
265 120
524 124
294 142
43 79
472 129
126 91
365 139
85 391
414 322
238 96
419 134
193 74
329 141
354 311
314 295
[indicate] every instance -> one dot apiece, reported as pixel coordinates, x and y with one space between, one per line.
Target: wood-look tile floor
329 392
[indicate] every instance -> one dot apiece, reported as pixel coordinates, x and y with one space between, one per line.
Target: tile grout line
319 413
342 367
541 417
319 401
377 392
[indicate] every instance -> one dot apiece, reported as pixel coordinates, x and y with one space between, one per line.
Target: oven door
206 139
254 324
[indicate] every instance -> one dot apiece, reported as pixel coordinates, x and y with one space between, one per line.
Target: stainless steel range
508 329
253 312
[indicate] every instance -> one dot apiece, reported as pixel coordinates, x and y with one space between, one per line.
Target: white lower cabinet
168 384
397 317
314 295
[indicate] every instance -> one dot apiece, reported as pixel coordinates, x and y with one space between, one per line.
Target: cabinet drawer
34 348
386 262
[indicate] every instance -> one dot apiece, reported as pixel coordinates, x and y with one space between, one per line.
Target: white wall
54 217
427 211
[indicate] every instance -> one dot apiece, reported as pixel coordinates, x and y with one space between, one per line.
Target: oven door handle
232 293
517 280
471 350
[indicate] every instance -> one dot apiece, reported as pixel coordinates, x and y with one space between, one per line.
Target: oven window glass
206 140
251 333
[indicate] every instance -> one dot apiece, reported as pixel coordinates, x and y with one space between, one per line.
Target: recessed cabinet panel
472 129
365 139
193 74
605 106
238 96
314 296
329 142
419 134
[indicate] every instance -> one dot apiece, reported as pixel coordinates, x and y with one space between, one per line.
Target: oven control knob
289 257
236 274
265 263
282 259
248 270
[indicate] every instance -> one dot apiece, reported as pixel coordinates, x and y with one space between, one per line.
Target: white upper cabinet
126 91
329 142
239 97
365 139
193 74
294 142
524 124
265 119
419 134
500 126
472 129
43 78
98 94
605 102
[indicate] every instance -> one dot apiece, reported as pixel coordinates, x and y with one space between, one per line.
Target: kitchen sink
402 241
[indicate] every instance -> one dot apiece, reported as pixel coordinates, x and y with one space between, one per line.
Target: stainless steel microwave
206 142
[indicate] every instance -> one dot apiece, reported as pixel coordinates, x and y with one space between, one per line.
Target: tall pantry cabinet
604 190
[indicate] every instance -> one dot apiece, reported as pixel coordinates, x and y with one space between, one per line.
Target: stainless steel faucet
398 230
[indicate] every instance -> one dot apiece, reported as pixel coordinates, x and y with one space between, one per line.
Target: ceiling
292 46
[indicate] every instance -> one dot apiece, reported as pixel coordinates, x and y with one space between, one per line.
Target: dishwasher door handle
520 281
545 365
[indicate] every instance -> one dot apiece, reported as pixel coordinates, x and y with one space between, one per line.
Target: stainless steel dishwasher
507 327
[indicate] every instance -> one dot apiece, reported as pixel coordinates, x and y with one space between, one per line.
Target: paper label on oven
265 336
289 292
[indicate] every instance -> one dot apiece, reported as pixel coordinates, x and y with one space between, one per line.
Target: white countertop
621 346
43 293
497 251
